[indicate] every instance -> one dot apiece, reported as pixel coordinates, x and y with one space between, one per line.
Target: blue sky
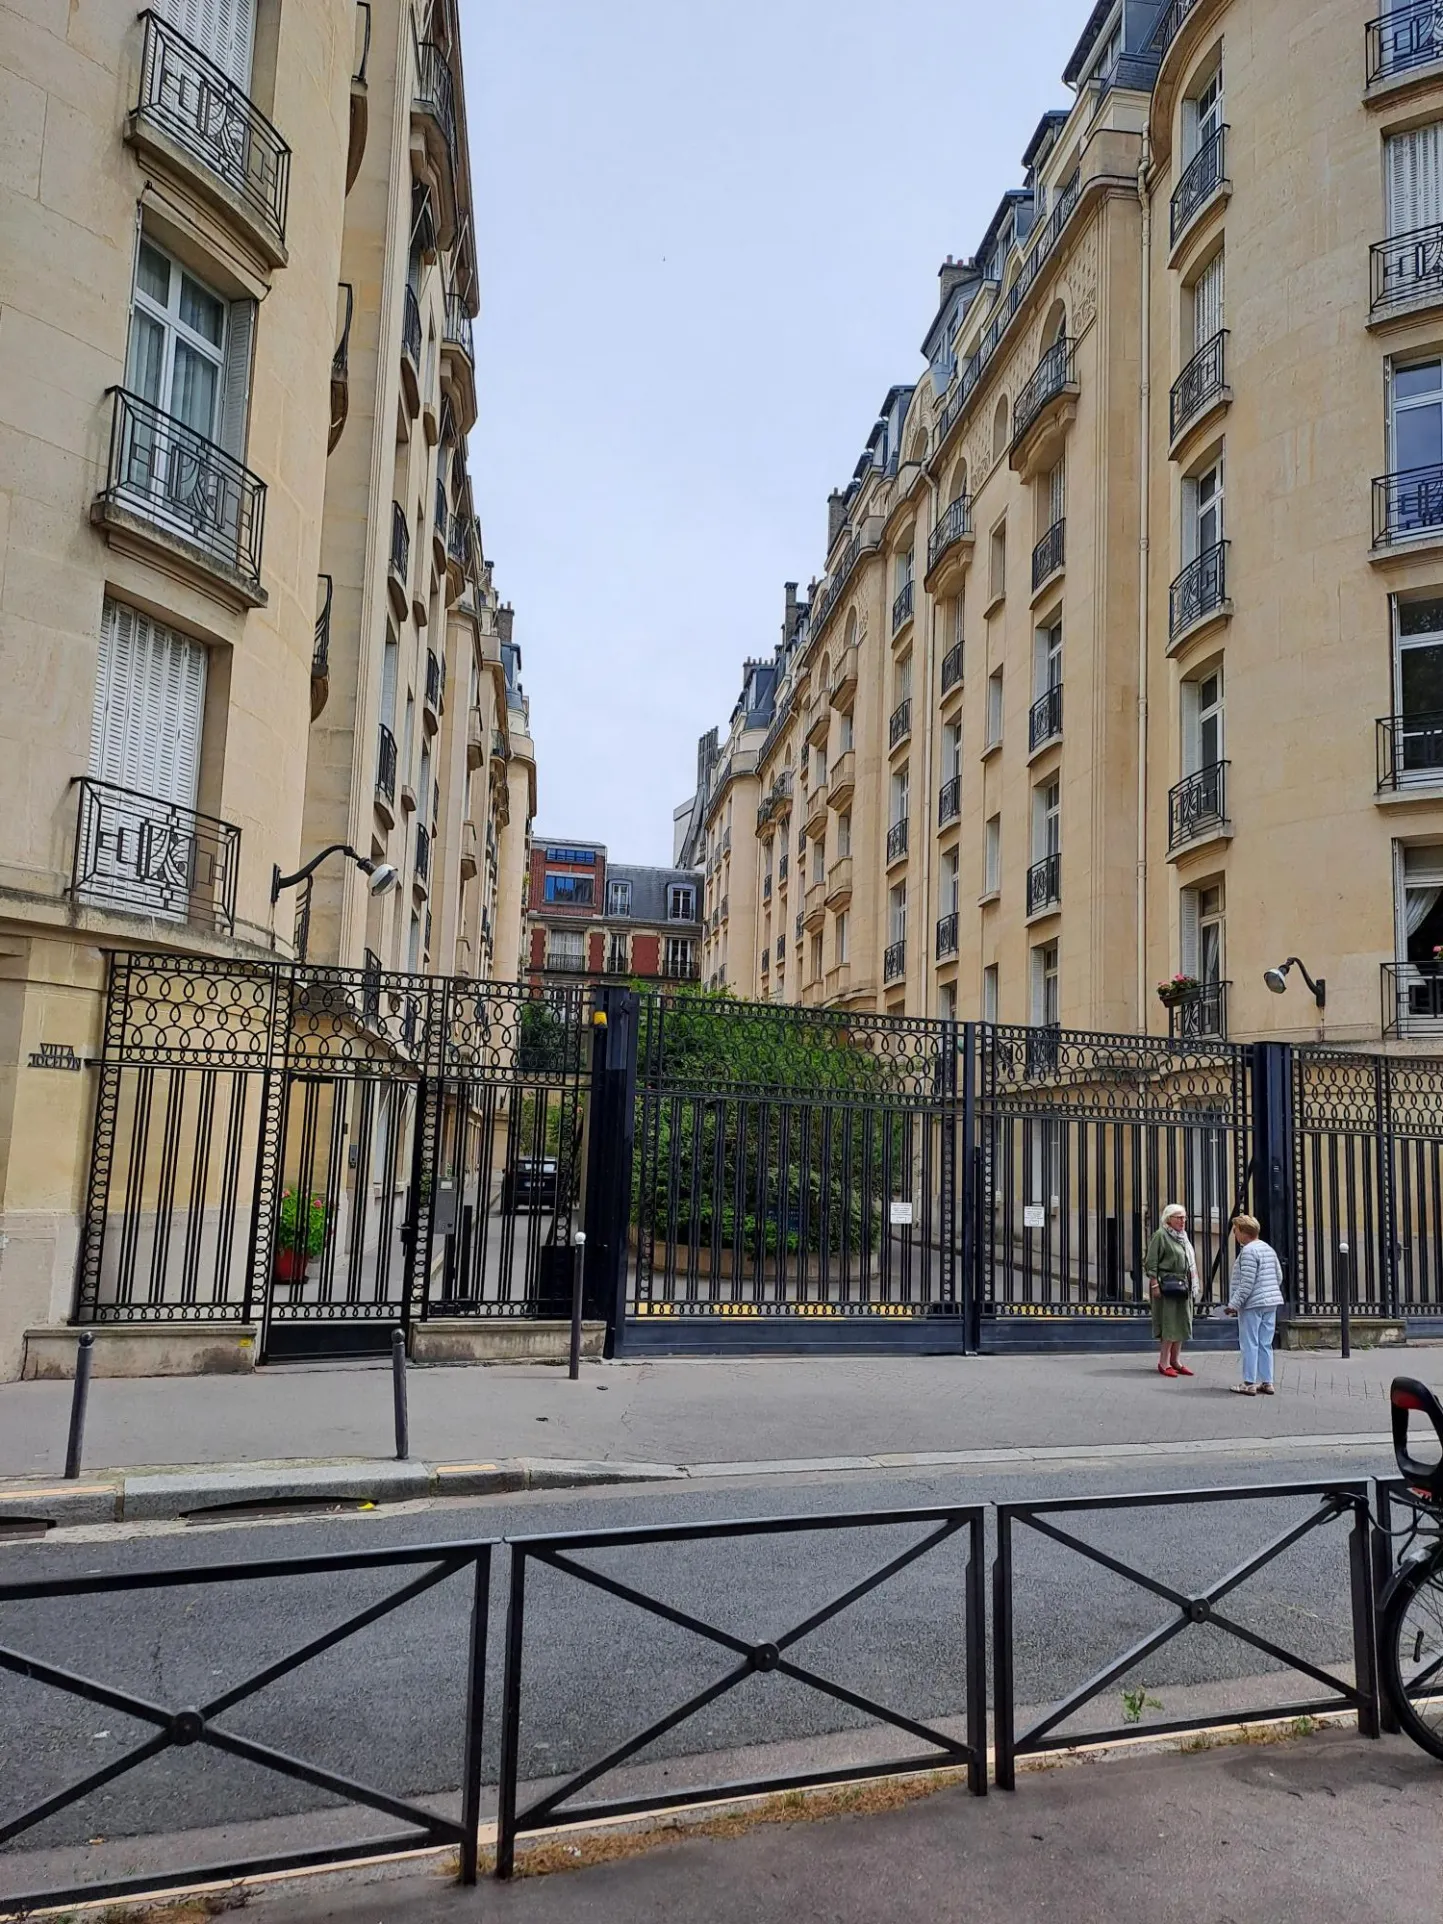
709 234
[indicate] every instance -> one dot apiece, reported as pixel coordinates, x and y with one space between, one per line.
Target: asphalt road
386 1706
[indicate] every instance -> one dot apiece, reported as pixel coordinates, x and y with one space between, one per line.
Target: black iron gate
328 1153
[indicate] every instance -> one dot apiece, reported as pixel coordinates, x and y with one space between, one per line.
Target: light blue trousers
1255 1335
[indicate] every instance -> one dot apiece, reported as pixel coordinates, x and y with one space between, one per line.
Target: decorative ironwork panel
902 606
1201 382
1044 718
1407 503
1050 553
154 857
1198 182
1408 36
1200 590
1044 884
1053 375
899 727
165 473
1197 805
956 522
952 667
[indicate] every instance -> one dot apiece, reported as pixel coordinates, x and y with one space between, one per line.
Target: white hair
1175 1209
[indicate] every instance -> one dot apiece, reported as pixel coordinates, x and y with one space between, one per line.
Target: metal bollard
577 1270
398 1394
80 1397
1345 1299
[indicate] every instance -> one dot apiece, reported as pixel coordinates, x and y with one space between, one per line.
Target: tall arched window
999 429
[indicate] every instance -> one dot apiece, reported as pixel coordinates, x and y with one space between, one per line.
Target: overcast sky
709 234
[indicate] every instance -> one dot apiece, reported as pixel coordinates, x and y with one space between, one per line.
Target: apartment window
905 562
992 856
1200 916
994 708
1203 112
566 949
681 902
190 357
951 751
1047 659
408 738
413 943
1418 690
390 665
1419 896
618 959
1000 420
845 734
224 30
1207 303
901 796
1054 497
902 680
997 562
1046 1002
680 952
844 835
1417 419
897 913
947 1002
816 958
989 993
819 859
819 766
1202 722
1046 820
1413 171
578 857
949 898
841 938
570 891
618 899
1203 511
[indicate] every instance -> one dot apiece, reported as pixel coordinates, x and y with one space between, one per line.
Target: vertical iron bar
1382 1574
1004 1773
79 1402
398 1394
475 1714
578 1263
976 1653
511 1718
1365 1622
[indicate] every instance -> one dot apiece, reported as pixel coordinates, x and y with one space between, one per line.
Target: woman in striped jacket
1255 1298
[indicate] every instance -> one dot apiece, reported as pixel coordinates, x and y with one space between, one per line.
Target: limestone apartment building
244 609
1127 659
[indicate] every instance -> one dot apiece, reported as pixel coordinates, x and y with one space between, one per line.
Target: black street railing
1053 375
1406 269
894 961
458 327
165 473
154 857
1407 503
433 679
1200 1015
400 543
423 852
1410 749
1044 884
947 935
1413 999
899 725
949 799
1199 384
955 523
1329 1504
386 764
744 1658
162 1726
436 91
201 109
1197 805
1406 37
411 327
952 667
1050 553
1044 718
902 606
321 652
1198 182
1200 590
897 840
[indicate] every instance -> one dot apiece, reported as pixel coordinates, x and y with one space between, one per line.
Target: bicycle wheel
1411 1653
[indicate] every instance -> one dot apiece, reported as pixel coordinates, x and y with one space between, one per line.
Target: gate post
971 1306
610 1136
1274 1157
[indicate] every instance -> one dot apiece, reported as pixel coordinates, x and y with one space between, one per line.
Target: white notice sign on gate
1034 1215
901 1216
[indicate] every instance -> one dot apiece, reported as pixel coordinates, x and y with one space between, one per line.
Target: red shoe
1181 1369
1163 1370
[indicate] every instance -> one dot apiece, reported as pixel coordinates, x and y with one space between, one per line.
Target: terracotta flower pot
291 1265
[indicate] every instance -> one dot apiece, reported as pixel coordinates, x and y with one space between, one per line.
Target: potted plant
1175 989
301 1235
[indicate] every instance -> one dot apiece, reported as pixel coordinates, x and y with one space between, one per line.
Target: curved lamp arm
279 881
1319 988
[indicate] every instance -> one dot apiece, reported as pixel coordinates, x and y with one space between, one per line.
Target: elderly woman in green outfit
1170 1267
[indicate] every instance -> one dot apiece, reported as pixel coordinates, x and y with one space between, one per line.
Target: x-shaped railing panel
177 1728
765 1657
1335 1500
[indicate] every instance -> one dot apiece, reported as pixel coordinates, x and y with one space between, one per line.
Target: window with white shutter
149 707
224 30
1413 168
1207 303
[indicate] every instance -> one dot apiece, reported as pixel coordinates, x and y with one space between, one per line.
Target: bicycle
1410 1621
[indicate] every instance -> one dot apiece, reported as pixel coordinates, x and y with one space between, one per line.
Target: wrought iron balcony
153 857
1406 504
164 473
1200 590
1044 884
766 961
1044 718
423 852
442 515
1406 37
947 935
1413 999
1410 751
400 544
458 540
766 888
680 968
1197 183
949 800
436 92
782 861
1054 373
433 680
894 961
321 652
386 765
341 372
956 522
1406 270
1201 382
458 327
902 607
899 727
897 841
1050 553
952 667
411 328
1197 805
189 99
781 950
1168 25
1201 1014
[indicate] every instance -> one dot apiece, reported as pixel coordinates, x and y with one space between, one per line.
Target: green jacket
1163 1257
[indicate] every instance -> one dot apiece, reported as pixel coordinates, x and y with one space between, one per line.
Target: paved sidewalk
1331 1829
700 1413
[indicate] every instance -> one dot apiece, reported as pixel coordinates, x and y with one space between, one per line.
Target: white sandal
1243 1389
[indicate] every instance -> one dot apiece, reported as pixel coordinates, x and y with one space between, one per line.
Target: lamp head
383 876
1277 979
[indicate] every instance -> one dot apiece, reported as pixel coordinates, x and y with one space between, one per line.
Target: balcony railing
1056 371
443 518
899 726
902 606
386 764
201 109
894 961
1406 270
566 961
1410 751
897 840
1201 1014
1199 384
782 861
1044 718
423 852
947 935
1044 884
400 543
1050 553
949 800
433 680
435 90
321 652
766 961
1200 590
1198 182
153 857
680 968
458 327
1407 503
766 888
781 950
1406 37
411 328
1043 1049
168 475
1413 999
952 667
1197 805
955 523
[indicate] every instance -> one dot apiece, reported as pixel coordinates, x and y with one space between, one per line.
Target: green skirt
1172 1318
